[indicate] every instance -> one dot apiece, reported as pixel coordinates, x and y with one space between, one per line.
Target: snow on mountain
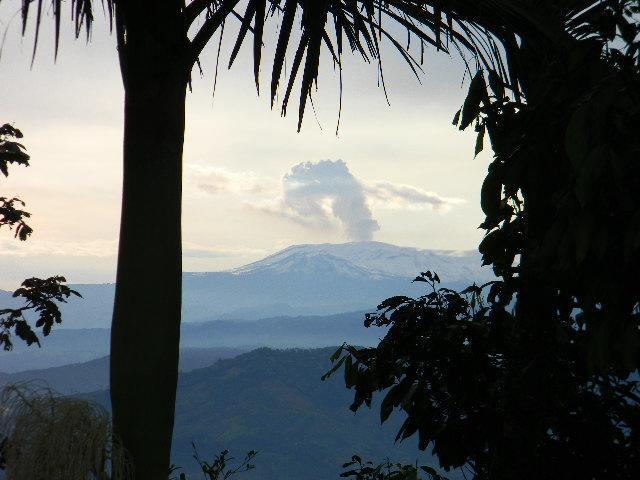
310 263
320 279
373 259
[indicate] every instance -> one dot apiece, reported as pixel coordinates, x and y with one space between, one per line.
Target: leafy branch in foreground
13 217
535 374
159 43
11 152
481 388
40 296
386 470
561 203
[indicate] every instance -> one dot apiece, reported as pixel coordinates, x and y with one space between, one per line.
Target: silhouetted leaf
491 194
244 28
281 48
456 118
471 107
479 140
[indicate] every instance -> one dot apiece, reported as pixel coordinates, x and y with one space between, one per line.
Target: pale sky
405 171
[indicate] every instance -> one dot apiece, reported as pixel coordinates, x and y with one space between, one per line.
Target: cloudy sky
400 174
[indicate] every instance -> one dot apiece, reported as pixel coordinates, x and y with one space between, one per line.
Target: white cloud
325 191
215 181
395 195
321 195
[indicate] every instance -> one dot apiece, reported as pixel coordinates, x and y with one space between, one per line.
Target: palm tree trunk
146 322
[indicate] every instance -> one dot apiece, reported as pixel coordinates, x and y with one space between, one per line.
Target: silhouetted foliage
359 25
561 199
13 152
13 217
533 375
159 43
360 470
40 297
220 468
3 453
492 394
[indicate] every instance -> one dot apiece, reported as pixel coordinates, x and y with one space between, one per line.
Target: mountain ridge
92 375
67 346
383 258
309 279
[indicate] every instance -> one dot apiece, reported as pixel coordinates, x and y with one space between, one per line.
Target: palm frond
486 31
281 48
246 24
357 21
81 13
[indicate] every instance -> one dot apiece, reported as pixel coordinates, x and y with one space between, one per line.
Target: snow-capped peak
373 259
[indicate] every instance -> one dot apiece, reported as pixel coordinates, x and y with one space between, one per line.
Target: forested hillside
273 401
94 374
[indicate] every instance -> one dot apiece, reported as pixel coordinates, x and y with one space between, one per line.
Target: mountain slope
320 279
274 402
94 374
300 280
311 263
65 346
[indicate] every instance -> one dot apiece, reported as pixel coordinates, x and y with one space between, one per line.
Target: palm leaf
297 60
260 7
314 20
485 30
281 48
246 23
81 13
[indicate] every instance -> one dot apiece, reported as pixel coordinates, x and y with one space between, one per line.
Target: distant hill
65 346
6 299
300 280
94 374
274 402
61 347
